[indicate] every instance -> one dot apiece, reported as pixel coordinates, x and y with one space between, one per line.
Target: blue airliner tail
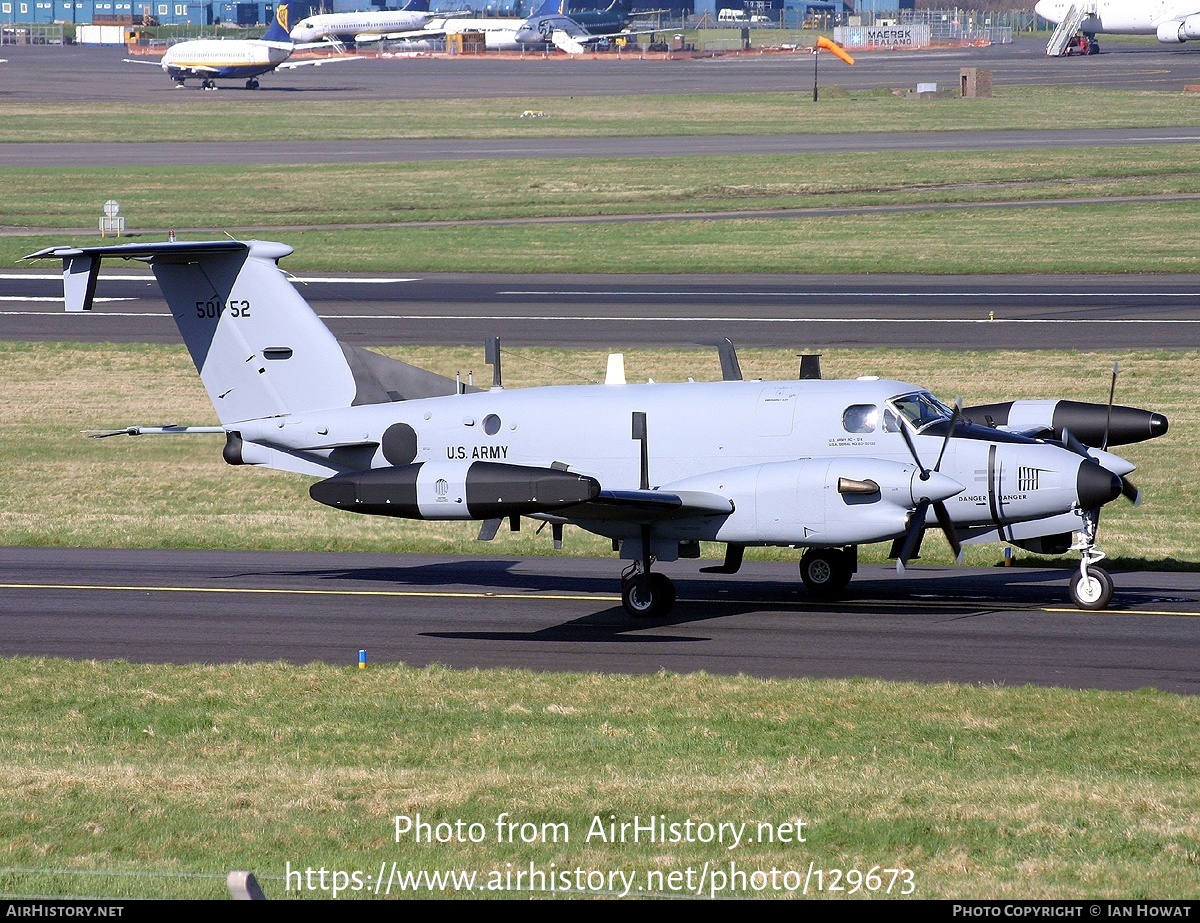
279 27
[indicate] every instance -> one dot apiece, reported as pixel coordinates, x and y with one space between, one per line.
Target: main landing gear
827 571
252 84
647 595
207 84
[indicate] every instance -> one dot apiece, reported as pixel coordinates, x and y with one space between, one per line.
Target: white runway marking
691 319
842 294
57 277
53 299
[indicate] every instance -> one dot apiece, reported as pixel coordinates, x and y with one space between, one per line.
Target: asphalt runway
1003 626
81 74
1117 314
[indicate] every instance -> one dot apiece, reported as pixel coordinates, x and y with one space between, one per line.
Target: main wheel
825 571
1093 590
648 596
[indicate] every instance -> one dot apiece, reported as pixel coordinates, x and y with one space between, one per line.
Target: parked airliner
212 59
1173 21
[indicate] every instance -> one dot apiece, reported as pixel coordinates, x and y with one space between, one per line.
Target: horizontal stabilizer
81 265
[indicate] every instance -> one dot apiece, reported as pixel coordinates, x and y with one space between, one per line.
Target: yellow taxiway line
575 597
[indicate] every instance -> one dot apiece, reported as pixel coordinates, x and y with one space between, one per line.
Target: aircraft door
775 411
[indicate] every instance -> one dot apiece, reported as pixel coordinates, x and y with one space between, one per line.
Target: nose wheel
1091 588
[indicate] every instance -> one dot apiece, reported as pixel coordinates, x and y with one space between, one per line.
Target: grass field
154 781
122 780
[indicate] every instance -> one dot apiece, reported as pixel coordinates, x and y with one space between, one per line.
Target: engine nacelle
819 501
1086 422
1171 33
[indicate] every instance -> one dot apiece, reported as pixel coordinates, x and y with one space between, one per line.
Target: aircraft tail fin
416 6
280 26
261 351
547 8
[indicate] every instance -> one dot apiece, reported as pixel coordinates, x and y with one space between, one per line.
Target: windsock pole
823 42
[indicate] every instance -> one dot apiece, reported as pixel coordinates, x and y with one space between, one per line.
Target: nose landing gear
1091 586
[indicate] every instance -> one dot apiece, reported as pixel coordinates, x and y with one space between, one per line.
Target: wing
155 63
649 506
317 62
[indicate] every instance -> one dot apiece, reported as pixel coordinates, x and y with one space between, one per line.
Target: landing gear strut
646 595
1091 586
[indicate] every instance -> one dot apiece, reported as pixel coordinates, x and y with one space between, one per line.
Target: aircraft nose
1095 485
1042 8
936 487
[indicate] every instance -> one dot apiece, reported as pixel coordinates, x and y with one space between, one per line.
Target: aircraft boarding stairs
1071 23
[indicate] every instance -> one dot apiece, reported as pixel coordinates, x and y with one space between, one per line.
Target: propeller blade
912 449
1112 393
947 524
949 432
912 535
1070 442
1130 492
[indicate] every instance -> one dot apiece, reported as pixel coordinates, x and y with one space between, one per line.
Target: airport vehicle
209 60
813 464
1173 21
361 26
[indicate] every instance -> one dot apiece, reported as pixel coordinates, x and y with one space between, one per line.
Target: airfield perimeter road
938 624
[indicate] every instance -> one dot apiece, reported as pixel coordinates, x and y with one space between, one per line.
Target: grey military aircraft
813 464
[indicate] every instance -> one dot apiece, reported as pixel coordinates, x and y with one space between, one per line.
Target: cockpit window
860 418
920 409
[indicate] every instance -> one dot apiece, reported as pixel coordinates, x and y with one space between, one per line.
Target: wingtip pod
838 50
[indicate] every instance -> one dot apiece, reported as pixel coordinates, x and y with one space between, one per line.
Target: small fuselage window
860 418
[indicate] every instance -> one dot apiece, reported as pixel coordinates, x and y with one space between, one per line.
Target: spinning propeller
1128 489
916 522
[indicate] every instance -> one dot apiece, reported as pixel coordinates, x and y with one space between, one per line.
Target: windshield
921 409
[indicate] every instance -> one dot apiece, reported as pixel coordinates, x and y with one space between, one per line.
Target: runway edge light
362 660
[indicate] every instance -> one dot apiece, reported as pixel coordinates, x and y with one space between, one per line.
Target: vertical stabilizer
280 28
259 347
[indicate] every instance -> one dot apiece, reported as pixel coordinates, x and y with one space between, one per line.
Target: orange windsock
823 42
